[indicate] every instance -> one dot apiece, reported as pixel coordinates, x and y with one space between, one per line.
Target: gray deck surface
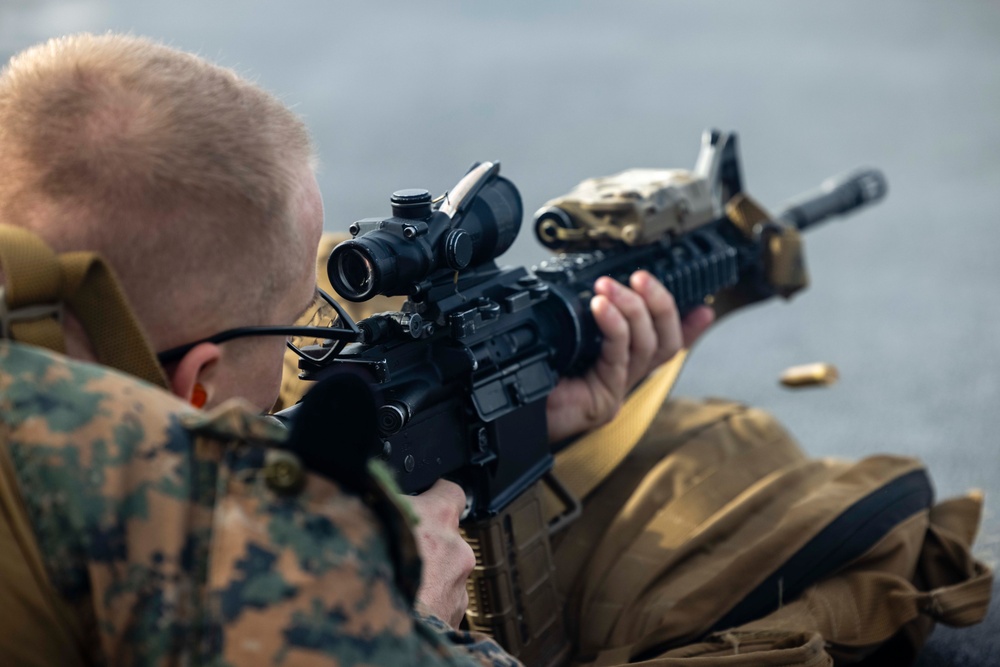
905 298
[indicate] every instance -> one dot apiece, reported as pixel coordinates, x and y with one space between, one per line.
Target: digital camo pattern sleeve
479 646
187 538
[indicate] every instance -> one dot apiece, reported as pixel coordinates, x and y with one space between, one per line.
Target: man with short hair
160 534
183 177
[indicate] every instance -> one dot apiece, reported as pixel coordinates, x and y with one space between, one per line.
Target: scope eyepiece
354 273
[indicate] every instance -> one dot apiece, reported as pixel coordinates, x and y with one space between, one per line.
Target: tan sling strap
38 282
582 466
40 629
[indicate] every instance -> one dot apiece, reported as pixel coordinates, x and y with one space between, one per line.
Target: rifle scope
474 223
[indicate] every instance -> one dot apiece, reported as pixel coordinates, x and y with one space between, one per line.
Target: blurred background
904 300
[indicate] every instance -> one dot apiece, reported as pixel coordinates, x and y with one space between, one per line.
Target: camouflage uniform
174 536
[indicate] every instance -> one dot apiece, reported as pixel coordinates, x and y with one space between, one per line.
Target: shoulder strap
40 627
38 282
586 463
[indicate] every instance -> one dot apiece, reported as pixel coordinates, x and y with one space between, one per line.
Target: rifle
464 368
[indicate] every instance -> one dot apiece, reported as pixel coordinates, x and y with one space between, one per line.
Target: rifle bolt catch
488 309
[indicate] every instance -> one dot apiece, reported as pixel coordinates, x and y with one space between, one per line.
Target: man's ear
189 379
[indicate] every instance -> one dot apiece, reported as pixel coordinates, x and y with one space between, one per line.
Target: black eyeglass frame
346 332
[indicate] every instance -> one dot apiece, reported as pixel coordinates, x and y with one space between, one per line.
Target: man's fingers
641 330
443 503
645 336
448 559
663 312
614 327
610 372
673 332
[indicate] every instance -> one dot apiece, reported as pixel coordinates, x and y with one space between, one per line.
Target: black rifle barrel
836 196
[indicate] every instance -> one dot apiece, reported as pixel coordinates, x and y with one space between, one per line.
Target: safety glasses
328 330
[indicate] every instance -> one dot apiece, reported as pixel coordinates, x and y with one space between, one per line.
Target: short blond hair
154 158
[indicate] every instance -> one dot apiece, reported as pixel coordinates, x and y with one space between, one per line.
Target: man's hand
642 330
448 559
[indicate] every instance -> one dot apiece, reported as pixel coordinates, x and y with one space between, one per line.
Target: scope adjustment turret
412 203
